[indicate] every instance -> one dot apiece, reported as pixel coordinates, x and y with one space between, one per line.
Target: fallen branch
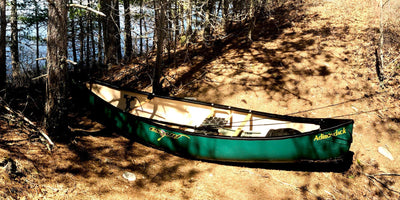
384 174
50 143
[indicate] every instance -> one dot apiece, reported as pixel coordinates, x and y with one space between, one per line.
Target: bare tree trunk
252 20
56 90
73 42
91 30
189 30
110 32
141 27
177 33
147 38
81 37
160 32
3 24
93 43
225 21
100 43
14 42
37 37
169 29
88 51
128 29
117 26
207 35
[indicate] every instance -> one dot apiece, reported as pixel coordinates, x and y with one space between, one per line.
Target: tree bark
37 37
3 24
141 27
100 43
189 30
88 32
73 42
110 31
207 35
117 23
128 34
14 42
160 32
225 15
252 20
56 90
81 37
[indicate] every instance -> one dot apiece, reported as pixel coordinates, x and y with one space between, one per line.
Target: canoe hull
324 145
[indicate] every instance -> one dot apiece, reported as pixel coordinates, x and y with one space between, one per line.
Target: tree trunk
110 32
73 42
252 20
37 37
117 23
169 29
3 24
141 27
100 42
225 15
14 42
207 35
160 32
81 37
91 31
189 30
56 90
88 21
128 34
93 43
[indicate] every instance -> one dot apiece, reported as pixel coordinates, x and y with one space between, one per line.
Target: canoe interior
235 123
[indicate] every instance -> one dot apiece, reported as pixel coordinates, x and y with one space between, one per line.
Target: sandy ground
311 59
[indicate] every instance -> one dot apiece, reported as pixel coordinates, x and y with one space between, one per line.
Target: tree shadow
106 154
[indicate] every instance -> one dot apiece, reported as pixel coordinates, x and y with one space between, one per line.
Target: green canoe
215 132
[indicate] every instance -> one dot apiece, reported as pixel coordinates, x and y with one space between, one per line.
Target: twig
49 142
385 174
373 179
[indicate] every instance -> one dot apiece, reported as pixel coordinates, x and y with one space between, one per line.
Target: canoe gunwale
331 124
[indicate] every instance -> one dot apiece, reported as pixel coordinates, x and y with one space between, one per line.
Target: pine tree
56 90
3 24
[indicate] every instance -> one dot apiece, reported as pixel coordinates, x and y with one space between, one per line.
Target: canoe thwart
239 130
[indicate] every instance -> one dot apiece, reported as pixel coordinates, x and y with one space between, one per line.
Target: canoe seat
282 132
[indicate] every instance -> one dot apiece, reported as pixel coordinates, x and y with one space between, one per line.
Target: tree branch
87 8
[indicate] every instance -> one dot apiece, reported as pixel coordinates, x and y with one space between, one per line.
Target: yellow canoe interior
238 124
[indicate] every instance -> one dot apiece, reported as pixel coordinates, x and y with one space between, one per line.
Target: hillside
313 59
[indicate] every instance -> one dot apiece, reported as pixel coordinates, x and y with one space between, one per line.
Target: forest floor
310 59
